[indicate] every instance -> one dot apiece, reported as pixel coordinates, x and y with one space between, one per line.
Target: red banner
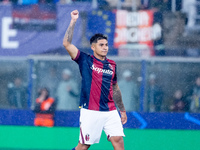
136 28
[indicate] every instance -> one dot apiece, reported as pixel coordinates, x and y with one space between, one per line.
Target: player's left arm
117 97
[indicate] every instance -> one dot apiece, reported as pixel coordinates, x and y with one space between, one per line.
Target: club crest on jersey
110 66
99 70
87 137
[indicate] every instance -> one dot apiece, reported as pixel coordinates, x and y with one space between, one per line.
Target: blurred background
155 43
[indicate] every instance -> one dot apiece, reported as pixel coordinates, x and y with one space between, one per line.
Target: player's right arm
71 49
117 97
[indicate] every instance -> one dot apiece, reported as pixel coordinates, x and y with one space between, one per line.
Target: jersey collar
100 59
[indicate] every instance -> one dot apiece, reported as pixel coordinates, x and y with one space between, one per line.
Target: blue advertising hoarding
136 120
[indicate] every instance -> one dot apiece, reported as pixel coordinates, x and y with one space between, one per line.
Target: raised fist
74 15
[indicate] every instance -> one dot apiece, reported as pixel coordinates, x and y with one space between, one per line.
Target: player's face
100 49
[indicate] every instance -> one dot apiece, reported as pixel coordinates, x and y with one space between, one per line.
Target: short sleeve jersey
97 79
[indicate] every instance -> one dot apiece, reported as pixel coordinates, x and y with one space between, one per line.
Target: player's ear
93 46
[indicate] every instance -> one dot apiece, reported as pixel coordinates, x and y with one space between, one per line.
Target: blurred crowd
65 93
189 8
163 5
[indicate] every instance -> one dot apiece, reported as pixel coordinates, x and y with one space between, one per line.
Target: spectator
129 91
145 4
103 4
5 2
17 94
179 103
51 81
195 98
67 92
154 95
161 5
44 109
190 9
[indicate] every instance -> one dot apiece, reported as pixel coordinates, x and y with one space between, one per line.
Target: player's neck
100 57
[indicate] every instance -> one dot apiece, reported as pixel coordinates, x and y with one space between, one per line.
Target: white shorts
93 122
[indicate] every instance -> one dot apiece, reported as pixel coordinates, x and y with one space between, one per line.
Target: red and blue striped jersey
98 78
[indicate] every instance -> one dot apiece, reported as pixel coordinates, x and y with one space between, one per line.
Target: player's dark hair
97 37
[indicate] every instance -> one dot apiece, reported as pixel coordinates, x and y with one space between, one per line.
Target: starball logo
99 70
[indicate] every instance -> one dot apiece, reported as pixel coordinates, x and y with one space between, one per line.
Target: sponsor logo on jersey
99 70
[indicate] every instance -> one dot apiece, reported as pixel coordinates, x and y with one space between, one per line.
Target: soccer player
99 93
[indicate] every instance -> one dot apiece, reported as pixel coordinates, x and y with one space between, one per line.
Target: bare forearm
118 98
69 33
118 101
67 40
